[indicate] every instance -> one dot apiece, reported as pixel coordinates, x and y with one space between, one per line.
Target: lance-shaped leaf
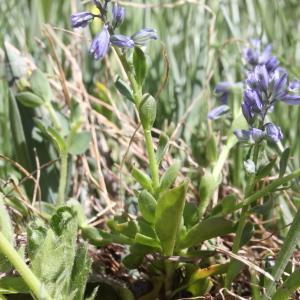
168 216
140 65
206 230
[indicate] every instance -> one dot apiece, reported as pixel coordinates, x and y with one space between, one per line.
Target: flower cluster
266 84
106 37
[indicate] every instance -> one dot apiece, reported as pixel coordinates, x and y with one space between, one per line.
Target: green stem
270 188
235 266
53 115
62 179
137 96
152 159
30 279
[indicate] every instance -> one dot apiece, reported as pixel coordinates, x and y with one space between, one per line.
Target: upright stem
53 115
62 179
137 96
152 159
242 222
30 279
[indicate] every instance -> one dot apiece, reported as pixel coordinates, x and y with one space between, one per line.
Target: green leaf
143 179
289 286
54 259
206 230
265 170
190 214
140 65
284 161
79 143
80 272
57 139
7 229
208 185
147 241
13 285
147 206
29 99
18 134
162 147
124 89
40 85
225 206
168 216
169 176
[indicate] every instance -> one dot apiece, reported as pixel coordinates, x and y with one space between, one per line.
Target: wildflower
222 90
273 133
122 41
253 100
81 19
262 77
218 112
141 37
252 136
247 112
100 44
279 84
254 56
291 97
118 13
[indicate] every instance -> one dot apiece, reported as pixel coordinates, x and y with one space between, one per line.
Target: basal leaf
206 230
169 212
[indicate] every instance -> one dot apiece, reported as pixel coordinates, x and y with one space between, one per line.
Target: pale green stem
62 179
137 96
29 278
152 159
242 222
53 115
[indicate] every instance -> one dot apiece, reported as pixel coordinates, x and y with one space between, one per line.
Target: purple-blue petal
217 112
81 19
100 44
122 41
141 37
273 133
118 13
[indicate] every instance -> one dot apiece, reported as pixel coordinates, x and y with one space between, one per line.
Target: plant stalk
62 179
28 276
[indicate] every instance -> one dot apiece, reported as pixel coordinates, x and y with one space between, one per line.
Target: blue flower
251 136
81 19
122 41
218 112
141 37
253 100
100 44
255 56
273 133
118 13
222 90
262 78
279 83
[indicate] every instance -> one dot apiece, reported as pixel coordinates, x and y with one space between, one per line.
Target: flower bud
100 44
143 36
122 41
118 13
273 133
147 111
81 19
